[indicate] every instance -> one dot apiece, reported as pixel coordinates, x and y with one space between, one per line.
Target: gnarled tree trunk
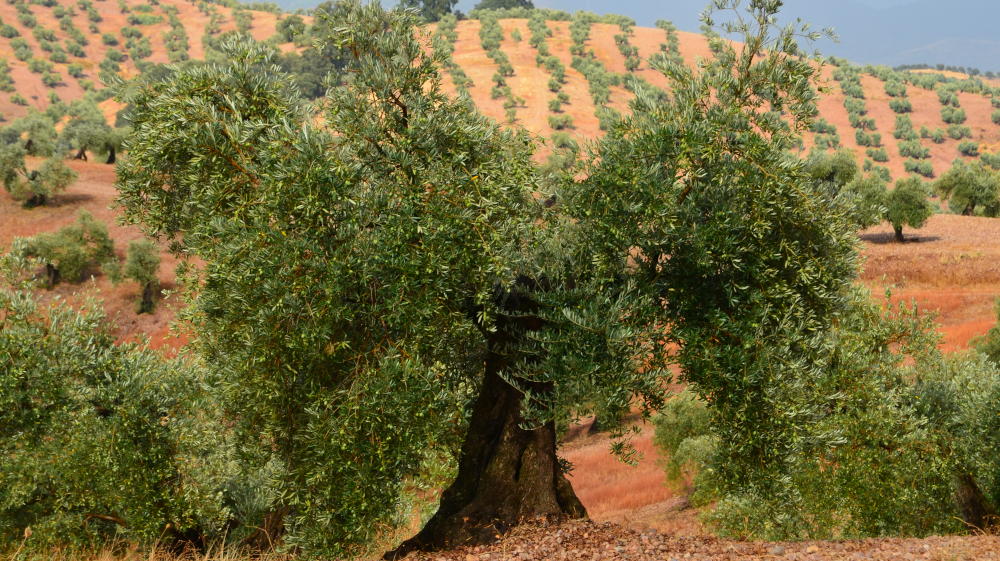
976 508
506 474
111 154
898 231
51 275
148 302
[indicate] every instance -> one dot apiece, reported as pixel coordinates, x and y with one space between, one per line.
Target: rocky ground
588 540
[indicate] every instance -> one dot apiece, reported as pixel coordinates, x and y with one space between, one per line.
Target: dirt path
586 540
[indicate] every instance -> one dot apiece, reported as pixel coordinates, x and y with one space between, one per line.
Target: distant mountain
893 32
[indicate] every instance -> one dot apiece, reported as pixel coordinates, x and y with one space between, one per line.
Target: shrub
958 132
900 105
873 140
904 128
109 39
971 188
18 99
822 126
827 141
913 149
8 31
684 436
72 251
969 148
560 122
856 106
895 88
88 414
920 167
953 115
995 116
877 154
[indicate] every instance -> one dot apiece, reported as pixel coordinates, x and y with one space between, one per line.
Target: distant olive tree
142 263
71 251
33 187
907 205
970 188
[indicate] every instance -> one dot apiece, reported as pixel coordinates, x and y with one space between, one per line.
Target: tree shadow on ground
889 237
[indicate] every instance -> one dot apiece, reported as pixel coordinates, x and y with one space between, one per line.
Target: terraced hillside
548 72
567 75
60 48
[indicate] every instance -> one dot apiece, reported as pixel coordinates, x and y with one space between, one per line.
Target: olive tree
103 442
142 264
907 205
373 285
70 251
969 187
33 187
88 130
382 290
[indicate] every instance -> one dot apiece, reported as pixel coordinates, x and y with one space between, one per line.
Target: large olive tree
384 287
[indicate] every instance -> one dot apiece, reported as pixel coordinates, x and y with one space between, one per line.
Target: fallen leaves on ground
586 540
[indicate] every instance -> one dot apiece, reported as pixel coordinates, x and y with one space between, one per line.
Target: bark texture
506 474
976 509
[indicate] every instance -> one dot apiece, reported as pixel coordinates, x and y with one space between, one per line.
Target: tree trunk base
977 511
507 475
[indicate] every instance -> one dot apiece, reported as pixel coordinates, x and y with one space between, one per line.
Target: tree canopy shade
380 290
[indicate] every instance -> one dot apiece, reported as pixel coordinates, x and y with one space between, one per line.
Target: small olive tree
33 187
71 251
104 442
142 264
907 205
970 188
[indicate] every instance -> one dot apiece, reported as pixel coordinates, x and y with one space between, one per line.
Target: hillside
926 140
58 50
58 47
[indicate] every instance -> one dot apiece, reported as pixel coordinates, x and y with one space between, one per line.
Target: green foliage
895 88
290 28
102 441
560 122
72 251
822 126
958 132
873 140
504 4
953 115
836 175
109 39
900 105
430 10
904 128
969 148
683 434
877 154
142 263
907 205
913 149
970 188
920 167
